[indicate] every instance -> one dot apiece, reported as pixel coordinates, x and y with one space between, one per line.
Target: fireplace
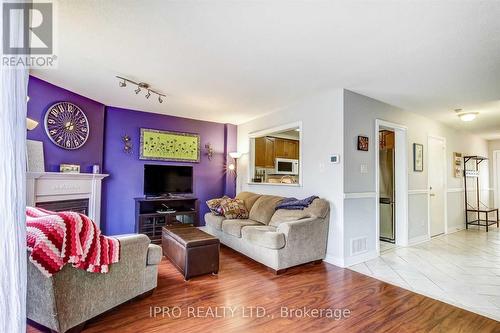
78 192
78 206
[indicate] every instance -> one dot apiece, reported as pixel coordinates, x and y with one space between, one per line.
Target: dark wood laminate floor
375 306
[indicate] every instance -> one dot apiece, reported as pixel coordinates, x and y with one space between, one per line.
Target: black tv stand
154 213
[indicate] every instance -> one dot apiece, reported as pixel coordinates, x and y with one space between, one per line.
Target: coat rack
480 208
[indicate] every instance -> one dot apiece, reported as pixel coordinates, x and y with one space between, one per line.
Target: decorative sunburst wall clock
67 125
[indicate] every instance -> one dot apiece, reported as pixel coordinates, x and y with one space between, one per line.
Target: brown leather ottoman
192 251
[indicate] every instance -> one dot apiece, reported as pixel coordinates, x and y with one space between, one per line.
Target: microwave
286 166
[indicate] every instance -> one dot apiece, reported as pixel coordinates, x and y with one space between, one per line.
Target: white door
496 176
437 174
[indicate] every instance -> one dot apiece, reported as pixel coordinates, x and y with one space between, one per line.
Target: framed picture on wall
169 146
418 157
363 143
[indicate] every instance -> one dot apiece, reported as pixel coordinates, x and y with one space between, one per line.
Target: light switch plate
363 168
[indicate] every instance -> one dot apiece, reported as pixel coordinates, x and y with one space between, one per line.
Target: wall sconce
31 124
127 144
210 151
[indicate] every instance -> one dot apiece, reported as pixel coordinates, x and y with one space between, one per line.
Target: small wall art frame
169 146
457 165
418 157
363 143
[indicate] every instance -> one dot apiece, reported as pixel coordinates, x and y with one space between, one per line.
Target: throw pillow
234 209
214 205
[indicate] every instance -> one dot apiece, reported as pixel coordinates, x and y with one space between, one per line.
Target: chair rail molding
360 195
423 191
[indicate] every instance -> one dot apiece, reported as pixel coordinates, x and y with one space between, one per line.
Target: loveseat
72 296
279 238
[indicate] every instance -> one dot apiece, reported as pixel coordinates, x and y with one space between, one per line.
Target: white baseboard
455 229
357 259
336 261
418 240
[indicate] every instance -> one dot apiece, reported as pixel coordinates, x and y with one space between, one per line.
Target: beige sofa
278 239
72 296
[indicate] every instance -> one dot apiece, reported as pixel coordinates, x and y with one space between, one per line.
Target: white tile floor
462 269
386 246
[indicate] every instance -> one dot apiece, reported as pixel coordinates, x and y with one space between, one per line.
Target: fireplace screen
78 206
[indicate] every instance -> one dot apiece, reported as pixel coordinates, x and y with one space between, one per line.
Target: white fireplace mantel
58 186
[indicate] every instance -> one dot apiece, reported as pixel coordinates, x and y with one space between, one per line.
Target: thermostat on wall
335 158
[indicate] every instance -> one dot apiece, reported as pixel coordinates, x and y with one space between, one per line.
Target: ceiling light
468 116
140 86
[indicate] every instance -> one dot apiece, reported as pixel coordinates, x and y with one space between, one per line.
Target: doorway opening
387 188
437 185
391 185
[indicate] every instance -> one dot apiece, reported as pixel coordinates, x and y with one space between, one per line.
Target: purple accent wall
126 170
231 146
42 95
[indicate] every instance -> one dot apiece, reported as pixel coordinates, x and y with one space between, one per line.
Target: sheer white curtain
13 91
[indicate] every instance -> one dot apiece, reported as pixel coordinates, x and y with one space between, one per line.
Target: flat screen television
160 180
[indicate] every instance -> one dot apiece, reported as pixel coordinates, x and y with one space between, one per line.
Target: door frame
400 181
445 186
496 190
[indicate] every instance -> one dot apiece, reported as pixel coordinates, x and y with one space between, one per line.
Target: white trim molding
359 258
360 195
414 192
401 182
418 240
336 261
455 189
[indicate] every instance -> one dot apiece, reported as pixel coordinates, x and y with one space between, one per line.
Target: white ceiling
231 61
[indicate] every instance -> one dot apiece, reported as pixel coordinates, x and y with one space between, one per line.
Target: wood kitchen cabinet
260 152
264 152
270 152
285 148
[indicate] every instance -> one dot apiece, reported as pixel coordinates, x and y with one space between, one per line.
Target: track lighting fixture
141 85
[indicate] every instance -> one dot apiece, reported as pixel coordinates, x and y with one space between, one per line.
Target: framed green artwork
169 146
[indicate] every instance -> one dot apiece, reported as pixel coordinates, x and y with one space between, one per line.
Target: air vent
358 245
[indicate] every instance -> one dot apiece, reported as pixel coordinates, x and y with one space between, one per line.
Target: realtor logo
28 34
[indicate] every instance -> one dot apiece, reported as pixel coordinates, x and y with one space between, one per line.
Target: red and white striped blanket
57 238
